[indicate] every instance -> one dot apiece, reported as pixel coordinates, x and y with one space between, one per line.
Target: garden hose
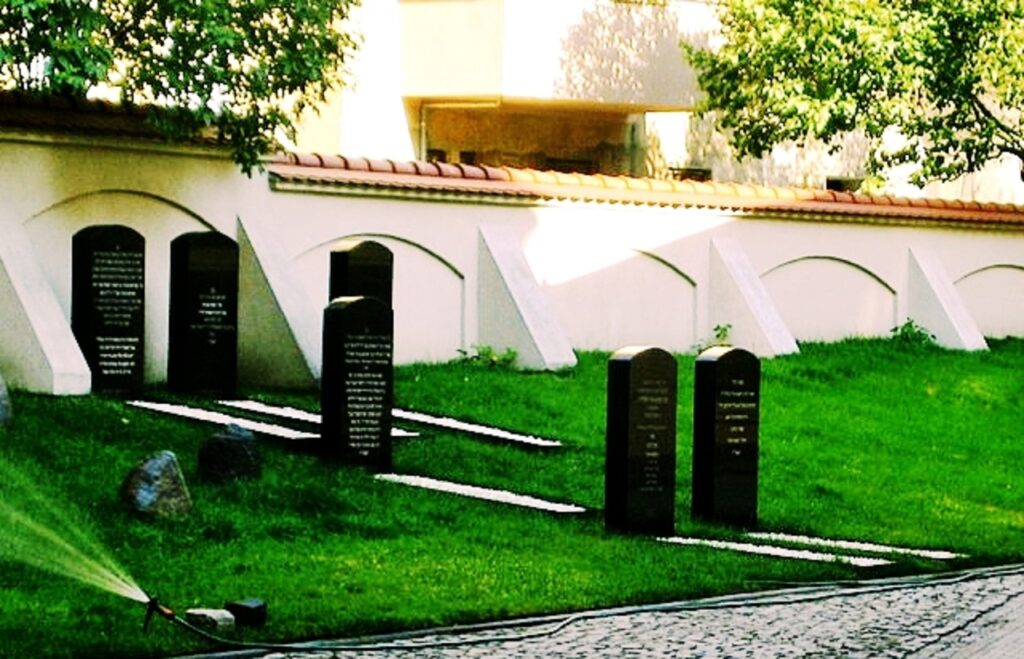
404 641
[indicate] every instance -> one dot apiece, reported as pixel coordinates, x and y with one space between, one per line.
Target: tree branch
1013 138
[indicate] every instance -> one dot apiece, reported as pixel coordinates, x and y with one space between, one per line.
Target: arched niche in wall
994 296
826 298
640 300
429 295
158 220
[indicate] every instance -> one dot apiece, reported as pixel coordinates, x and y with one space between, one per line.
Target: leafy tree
948 75
245 68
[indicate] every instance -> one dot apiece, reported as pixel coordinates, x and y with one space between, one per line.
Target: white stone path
503 496
405 415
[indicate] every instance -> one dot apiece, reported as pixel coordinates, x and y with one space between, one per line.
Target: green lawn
868 440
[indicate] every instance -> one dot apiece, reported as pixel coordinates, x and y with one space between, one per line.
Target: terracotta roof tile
527 184
332 162
448 170
496 173
424 168
403 167
381 166
472 172
358 164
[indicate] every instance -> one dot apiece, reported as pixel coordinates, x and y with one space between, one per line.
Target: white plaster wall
994 296
429 297
57 187
823 299
435 260
614 274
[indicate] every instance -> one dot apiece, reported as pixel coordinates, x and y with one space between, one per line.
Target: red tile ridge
531 183
426 168
496 173
472 172
332 161
308 160
403 167
448 170
358 164
381 165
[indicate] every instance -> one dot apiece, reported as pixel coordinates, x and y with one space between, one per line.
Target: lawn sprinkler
154 606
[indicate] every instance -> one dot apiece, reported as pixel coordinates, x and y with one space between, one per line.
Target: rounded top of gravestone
367 247
632 352
729 353
356 301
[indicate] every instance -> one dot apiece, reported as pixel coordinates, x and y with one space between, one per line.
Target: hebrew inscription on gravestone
726 420
640 448
202 352
108 287
357 382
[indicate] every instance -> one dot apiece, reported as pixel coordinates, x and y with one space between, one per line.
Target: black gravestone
640 445
108 286
357 382
6 411
361 268
202 351
726 411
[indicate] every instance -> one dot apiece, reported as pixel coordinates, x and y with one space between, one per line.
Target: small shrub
488 357
721 331
912 334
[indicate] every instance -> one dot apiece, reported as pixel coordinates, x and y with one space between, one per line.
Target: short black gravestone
108 286
357 382
361 268
202 351
726 411
640 445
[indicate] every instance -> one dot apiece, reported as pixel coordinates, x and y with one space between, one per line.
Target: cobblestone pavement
975 614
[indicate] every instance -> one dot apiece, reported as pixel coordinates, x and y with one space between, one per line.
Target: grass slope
862 440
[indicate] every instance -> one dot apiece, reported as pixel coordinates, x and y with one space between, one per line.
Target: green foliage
488 357
946 74
722 333
912 334
244 68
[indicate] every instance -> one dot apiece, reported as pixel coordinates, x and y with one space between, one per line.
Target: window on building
690 173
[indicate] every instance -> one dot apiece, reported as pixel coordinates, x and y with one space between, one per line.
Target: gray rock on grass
230 454
157 487
211 619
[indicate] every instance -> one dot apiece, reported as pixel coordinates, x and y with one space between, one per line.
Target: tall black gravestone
726 417
108 291
640 445
202 351
361 268
357 382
